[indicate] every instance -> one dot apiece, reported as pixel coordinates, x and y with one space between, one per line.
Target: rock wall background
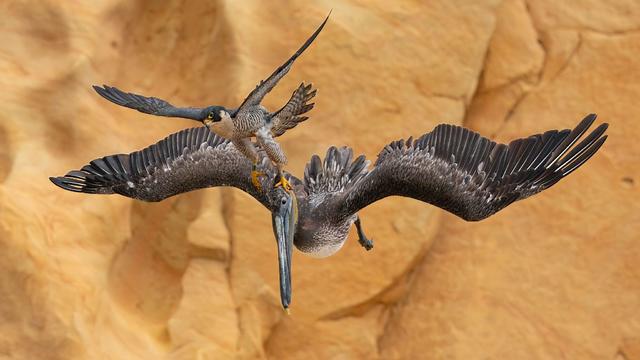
90 277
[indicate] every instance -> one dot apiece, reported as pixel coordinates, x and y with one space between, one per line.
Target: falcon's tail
290 114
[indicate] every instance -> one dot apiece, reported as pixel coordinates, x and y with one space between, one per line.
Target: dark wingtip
573 136
587 121
99 89
591 117
582 152
309 40
102 91
323 22
59 182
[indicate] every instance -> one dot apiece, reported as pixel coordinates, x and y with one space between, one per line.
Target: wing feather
290 114
187 160
147 105
468 175
265 86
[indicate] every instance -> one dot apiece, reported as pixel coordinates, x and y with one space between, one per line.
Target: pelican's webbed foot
362 238
255 177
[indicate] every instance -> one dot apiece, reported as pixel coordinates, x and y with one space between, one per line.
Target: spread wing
290 114
468 175
263 88
187 160
147 105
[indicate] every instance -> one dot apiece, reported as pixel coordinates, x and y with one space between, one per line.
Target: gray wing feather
147 105
290 114
265 86
468 175
337 172
187 160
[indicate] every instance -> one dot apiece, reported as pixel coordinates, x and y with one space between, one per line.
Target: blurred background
195 276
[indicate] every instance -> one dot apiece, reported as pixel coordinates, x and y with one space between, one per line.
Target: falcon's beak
284 226
207 123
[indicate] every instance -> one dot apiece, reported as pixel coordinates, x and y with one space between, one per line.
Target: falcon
240 124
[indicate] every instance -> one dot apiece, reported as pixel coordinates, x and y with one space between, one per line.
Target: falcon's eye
210 115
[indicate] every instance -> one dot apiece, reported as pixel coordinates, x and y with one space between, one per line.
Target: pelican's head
284 219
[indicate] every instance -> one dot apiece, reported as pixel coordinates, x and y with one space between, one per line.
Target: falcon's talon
284 183
255 175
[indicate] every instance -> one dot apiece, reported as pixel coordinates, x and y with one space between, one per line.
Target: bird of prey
450 167
250 119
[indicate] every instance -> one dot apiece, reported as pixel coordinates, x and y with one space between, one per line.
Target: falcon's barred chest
247 122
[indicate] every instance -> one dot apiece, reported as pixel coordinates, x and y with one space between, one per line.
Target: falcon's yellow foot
255 174
284 183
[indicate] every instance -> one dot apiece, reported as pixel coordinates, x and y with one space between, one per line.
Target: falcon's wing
289 116
147 105
468 175
187 160
263 88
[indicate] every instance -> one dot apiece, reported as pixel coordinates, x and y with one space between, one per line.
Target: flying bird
250 119
450 167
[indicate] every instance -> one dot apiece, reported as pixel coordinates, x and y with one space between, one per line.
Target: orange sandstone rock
91 277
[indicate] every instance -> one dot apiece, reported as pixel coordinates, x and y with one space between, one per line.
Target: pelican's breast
322 241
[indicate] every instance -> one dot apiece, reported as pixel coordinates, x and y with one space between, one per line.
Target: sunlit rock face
195 276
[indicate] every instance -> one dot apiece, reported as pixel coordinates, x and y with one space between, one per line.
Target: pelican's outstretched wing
187 160
263 88
148 105
290 114
468 175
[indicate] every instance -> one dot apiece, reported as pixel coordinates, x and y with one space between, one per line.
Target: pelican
450 167
250 119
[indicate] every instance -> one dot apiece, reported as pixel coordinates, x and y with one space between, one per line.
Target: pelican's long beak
284 226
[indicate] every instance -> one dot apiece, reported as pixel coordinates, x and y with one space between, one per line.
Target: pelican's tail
337 172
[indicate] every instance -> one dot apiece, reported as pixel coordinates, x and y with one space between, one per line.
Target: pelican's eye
284 201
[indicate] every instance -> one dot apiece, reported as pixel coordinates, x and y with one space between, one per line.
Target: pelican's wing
187 160
468 175
147 105
290 114
263 88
